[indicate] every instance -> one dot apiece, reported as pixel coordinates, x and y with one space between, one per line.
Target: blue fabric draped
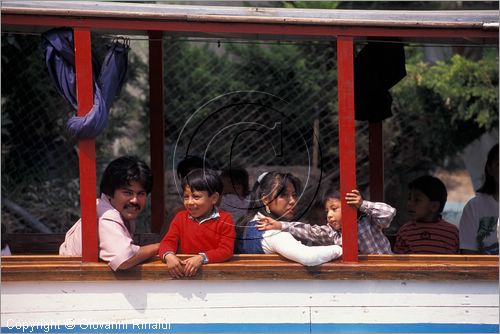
108 79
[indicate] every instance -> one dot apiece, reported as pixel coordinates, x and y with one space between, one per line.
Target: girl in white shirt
275 195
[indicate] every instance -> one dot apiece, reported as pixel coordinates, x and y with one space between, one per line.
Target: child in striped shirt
427 232
373 218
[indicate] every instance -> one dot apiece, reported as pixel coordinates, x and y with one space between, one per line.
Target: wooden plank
347 145
373 259
200 315
426 257
246 30
344 17
130 295
156 129
426 315
353 315
86 146
253 269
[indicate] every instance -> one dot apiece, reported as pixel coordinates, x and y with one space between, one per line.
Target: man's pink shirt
115 240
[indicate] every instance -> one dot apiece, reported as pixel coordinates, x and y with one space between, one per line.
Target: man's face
129 200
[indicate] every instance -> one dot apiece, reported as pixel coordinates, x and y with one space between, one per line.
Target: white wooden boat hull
251 306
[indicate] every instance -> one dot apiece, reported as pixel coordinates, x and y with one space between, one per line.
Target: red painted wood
243 28
156 129
86 147
376 147
347 145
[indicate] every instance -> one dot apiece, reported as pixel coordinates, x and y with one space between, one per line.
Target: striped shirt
371 238
439 237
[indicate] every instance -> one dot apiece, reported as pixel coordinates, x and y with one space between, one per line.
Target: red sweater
214 237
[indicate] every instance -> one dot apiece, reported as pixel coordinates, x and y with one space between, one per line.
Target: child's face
283 205
199 203
420 207
129 200
334 213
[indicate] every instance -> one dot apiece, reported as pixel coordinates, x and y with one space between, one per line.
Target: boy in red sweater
200 229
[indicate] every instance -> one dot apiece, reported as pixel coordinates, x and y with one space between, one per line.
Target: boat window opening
361 130
227 48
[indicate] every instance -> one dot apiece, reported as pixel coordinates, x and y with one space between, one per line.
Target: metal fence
255 104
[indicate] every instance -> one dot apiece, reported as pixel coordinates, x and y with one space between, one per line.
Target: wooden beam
347 144
156 129
267 267
246 29
86 147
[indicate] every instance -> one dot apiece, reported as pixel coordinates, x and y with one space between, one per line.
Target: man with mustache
124 189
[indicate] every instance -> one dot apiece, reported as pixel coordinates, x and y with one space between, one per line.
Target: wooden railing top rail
255 267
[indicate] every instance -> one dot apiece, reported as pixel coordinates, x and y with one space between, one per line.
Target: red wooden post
376 148
86 147
156 129
347 145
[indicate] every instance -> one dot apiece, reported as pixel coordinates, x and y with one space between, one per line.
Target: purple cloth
60 59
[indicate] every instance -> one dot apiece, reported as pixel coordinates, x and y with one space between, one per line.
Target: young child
186 165
200 229
374 218
427 233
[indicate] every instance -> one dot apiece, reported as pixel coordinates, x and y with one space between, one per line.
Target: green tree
468 88
438 110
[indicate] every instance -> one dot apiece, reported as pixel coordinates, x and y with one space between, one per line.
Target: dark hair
330 193
203 180
432 187
237 175
489 184
189 163
124 170
271 181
